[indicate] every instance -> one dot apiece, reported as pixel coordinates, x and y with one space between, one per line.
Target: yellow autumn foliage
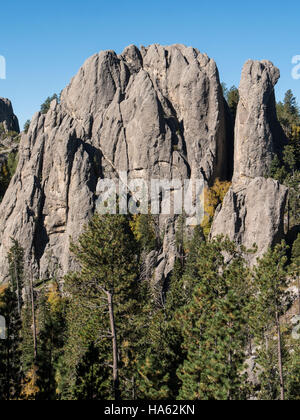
135 225
212 198
30 388
2 291
295 132
54 297
3 287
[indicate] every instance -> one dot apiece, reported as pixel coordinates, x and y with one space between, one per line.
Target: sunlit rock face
157 112
253 209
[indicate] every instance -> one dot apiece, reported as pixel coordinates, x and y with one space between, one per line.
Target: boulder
252 214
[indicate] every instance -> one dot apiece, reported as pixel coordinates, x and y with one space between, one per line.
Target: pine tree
16 271
270 300
233 98
154 368
162 355
214 325
92 380
51 326
163 352
288 111
293 373
10 364
26 126
295 267
10 307
286 166
143 228
27 347
104 298
46 105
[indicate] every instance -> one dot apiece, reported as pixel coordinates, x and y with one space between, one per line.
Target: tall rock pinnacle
258 135
253 209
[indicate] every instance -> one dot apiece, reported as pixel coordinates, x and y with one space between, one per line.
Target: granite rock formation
155 112
253 213
7 116
258 134
9 138
253 209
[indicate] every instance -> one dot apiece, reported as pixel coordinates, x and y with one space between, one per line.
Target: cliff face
9 140
7 116
156 112
9 127
253 209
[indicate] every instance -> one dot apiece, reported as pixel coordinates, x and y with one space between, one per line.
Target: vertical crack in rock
253 209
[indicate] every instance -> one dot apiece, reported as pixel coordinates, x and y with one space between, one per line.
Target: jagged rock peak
258 135
157 112
7 116
177 82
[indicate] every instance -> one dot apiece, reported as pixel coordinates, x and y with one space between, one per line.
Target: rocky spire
7 116
253 209
258 135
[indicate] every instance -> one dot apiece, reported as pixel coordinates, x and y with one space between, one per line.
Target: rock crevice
253 209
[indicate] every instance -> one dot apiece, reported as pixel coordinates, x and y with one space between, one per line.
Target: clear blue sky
46 42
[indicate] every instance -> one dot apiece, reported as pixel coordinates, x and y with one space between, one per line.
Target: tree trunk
116 380
7 343
289 215
18 289
298 296
133 388
282 393
33 319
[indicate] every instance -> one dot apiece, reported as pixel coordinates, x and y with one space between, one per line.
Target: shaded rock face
253 209
156 112
9 126
7 116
